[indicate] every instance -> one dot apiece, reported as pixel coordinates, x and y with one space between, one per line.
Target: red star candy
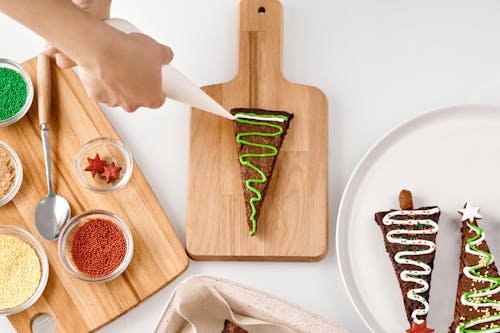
96 165
419 328
111 172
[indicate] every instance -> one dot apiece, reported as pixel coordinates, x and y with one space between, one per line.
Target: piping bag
178 87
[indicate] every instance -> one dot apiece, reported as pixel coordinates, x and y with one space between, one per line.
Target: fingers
129 107
112 104
132 107
94 95
63 61
156 104
107 97
50 50
101 97
167 54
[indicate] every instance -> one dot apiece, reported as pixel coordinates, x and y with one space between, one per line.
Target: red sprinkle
96 165
111 172
98 248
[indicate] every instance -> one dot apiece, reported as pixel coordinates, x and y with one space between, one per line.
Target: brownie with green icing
466 316
230 327
252 137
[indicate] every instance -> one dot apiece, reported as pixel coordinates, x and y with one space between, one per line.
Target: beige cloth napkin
204 311
198 307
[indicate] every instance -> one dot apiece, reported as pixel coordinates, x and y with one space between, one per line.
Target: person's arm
116 68
99 9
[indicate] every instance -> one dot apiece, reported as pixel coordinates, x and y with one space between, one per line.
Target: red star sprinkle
111 172
419 328
96 165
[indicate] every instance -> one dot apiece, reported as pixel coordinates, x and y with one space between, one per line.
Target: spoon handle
44 86
44 94
48 164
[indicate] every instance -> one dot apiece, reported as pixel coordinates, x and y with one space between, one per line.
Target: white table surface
379 62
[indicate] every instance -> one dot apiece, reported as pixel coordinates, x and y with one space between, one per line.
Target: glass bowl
6 63
66 239
44 266
19 174
111 150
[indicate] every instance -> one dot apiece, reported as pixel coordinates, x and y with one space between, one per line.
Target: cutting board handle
260 39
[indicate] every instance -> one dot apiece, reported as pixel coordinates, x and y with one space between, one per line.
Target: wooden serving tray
293 223
158 256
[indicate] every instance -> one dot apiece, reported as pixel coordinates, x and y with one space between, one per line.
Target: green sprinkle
13 93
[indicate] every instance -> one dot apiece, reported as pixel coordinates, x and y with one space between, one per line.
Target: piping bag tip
178 87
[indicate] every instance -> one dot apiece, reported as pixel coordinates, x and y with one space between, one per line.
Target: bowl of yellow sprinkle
24 270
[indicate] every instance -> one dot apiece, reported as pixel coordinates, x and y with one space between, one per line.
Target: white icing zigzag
394 236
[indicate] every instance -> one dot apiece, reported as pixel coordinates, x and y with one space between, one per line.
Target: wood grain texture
293 224
158 257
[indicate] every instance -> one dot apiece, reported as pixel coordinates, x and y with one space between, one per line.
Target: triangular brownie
410 241
477 305
258 144
230 327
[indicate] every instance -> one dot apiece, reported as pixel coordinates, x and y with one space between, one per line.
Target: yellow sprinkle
20 271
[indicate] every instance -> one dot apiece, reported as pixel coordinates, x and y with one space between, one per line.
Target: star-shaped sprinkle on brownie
96 165
111 172
419 328
469 213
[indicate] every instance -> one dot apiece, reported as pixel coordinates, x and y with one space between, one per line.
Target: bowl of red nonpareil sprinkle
104 165
96 246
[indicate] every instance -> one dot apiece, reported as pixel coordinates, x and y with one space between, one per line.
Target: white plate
253 303
445 157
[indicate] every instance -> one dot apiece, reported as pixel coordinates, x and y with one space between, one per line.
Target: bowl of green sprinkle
16 92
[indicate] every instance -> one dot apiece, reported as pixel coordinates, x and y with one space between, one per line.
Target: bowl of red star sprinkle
104 165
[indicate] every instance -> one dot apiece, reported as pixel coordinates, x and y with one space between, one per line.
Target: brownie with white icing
411 231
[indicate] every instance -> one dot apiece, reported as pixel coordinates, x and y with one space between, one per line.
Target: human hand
128 72
110 77
97 8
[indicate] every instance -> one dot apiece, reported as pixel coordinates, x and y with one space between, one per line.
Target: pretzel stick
405 200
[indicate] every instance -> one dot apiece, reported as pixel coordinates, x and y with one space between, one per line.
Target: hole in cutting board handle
261 10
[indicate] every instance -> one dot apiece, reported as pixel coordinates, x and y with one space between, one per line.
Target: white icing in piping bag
178 87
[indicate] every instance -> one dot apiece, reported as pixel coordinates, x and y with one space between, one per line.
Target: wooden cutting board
293 224
158 257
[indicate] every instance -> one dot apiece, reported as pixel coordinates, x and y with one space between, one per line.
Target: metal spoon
53 211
